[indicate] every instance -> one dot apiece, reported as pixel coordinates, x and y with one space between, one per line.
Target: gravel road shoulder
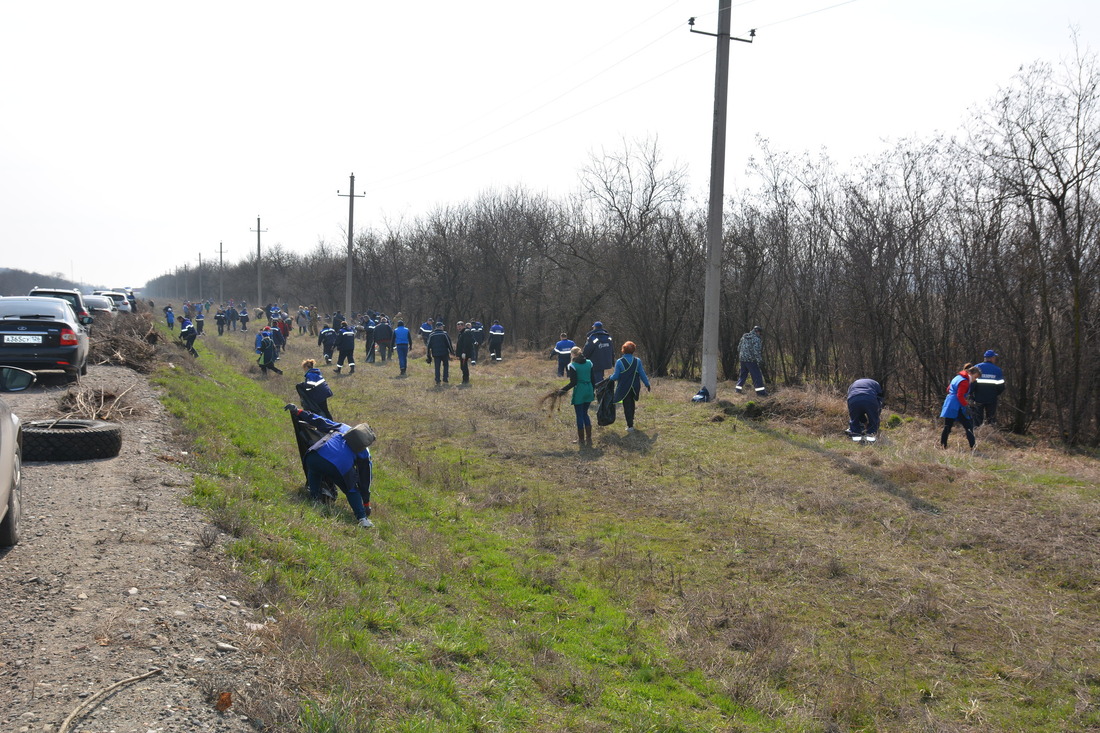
114 578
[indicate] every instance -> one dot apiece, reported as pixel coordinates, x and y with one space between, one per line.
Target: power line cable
553 124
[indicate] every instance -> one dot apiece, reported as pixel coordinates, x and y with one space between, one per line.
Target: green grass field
708 572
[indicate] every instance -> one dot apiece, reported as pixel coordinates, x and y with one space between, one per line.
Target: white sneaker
630 430
366 523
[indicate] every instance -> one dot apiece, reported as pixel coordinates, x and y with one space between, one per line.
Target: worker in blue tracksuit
987 388
477 333
326 339
865 400
440 349
496 340
426 329
402 340
562 349
599 349
345 347
332 458
188 334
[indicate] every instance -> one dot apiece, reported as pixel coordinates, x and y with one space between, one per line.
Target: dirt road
115 578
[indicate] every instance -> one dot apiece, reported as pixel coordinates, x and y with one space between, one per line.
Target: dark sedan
43 334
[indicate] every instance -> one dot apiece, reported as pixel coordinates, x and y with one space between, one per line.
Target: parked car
101 306
76 300
121 301
11 456
43 334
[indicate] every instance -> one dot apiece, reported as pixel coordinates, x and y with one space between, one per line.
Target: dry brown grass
894 587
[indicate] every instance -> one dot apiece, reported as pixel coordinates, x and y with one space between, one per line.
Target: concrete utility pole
713 284
351 196
259 270
221 273
200 277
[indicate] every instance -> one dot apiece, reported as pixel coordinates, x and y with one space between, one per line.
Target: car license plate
21 339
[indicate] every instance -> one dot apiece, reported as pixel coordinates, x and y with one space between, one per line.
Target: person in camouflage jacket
750 352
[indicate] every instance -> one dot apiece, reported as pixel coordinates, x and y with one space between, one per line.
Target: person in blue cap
599 349
987 388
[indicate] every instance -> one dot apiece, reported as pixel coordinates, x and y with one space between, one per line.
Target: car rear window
38 306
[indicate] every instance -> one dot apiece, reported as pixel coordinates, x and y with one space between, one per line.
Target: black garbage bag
306 436
605 403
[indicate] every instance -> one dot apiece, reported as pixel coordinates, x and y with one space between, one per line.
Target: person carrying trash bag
628 374
314 390
340 457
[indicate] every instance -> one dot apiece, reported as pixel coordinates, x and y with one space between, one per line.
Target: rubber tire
70 440
9 528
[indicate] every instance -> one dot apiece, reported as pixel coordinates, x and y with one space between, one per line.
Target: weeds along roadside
804 579
436 616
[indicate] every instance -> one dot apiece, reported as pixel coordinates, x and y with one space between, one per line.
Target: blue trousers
403 356
583 420
317 468
751 368
863 415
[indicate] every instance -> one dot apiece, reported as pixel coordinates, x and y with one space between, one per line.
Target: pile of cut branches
93 403
126 340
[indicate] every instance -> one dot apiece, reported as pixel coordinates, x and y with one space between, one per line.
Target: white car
11 456
121 301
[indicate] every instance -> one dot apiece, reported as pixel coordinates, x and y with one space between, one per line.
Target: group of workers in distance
971 401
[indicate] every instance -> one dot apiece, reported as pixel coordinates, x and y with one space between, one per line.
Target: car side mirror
87 320
14 379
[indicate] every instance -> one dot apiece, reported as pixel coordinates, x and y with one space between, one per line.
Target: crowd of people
341 457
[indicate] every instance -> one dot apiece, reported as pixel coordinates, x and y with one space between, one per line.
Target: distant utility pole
351 196
221 274
713 285
200 277
259 270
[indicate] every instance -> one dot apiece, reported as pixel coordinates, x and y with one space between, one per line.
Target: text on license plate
20 339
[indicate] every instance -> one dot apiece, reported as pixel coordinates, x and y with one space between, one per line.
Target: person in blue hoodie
628 374
562 349
342 457
402 340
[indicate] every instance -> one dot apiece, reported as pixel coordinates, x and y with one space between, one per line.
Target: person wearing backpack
267 356
342 457
628 373
580 381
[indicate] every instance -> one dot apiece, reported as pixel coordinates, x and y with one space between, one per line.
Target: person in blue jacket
402 340
314 390
263 333
326 339
188 334
865 399
496 340
599 348
987 388
170 317
440 349
334 459
956 406
562 349
628 374
267 353
426 329
345 347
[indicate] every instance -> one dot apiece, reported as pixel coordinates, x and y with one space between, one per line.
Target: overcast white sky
136 136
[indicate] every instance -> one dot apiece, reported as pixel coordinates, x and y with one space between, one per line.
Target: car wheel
9 528
70 440
84 369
